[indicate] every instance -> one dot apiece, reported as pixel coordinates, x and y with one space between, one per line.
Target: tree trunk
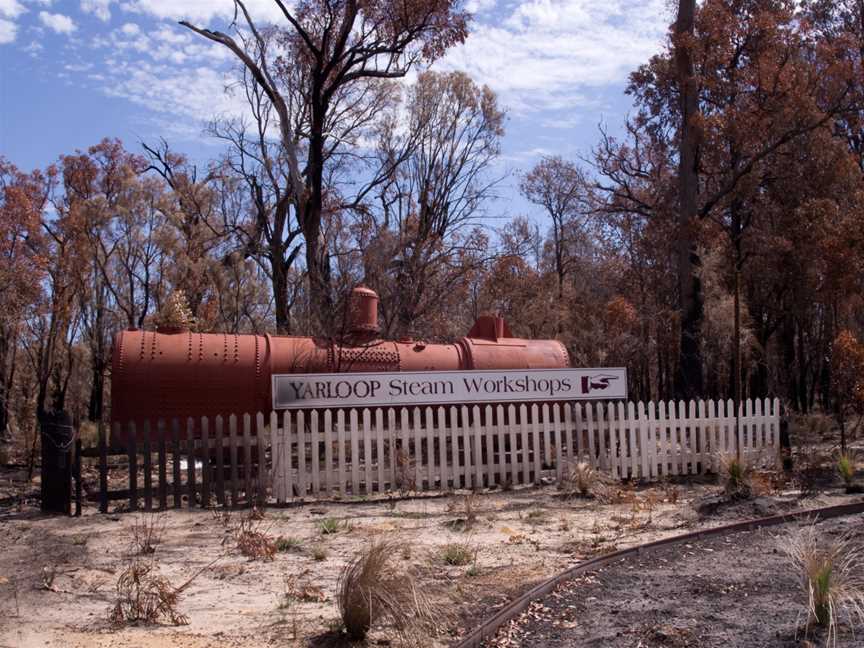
688 379
280 294
94 408
5 386
317 255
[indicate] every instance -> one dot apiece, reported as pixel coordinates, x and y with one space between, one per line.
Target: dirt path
737 590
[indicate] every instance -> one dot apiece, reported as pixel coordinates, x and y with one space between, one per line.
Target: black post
57 436
785 444
78 486
103 470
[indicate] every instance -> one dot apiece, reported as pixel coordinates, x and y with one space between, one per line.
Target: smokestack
363 312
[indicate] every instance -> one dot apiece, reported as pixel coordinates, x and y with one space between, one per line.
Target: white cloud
130 29
205 10
11 8
57 22
8 30
479 6
33 48
194 93
100 8
546 53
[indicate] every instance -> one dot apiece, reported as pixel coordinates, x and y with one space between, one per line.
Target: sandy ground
736 590
58 575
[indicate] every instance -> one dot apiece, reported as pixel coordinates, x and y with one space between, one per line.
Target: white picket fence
366 451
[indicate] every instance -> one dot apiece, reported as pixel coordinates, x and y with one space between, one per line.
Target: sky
75 71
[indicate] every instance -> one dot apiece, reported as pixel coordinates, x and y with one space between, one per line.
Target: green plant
846 469
329 526
456 554
830 572
286 544
737 477
373 591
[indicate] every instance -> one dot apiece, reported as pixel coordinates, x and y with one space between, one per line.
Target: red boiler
178 373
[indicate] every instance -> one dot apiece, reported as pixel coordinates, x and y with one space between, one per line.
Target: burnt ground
733 591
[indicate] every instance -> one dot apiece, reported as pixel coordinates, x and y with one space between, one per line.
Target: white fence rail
366 451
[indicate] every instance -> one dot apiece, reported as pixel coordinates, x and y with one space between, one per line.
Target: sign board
446 387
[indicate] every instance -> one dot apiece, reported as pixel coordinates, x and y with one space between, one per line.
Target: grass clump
831 573
737 477
288 544
319 554
373 591
456 554
846 469
329 526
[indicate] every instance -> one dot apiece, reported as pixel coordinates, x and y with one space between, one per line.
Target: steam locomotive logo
597 382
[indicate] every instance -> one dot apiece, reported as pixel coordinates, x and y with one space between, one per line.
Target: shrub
145 596
579 479
147 530
254 543
297 590
830 573
456 554
372 591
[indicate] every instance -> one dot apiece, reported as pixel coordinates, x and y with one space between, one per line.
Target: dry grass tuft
466 505
457 554
146 532
143 596
372 591
580 479
254 543
299 590
406 472
831 572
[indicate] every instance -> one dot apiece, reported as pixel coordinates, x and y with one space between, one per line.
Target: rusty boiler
178 373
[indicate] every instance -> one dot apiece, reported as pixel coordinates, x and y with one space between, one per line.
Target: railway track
491 626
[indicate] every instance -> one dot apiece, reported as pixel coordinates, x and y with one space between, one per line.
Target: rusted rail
491 626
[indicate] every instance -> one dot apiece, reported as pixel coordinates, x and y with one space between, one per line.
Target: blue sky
74 71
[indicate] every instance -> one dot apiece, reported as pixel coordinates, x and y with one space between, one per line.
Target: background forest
715 245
